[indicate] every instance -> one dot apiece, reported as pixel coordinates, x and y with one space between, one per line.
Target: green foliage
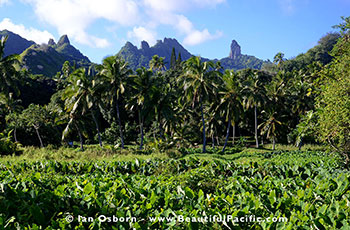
49 59
306 129
333 102
307 193
7 147
209 150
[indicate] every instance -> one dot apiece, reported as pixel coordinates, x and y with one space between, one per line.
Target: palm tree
143 86
253 93
114 72
279 59
79 97
269 126
8 72
157 63
230 103
197 82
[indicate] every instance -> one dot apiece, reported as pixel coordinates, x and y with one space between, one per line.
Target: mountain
15 44
141 57
236 60
46 59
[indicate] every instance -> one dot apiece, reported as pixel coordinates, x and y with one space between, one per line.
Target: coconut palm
114 72
79 97
197 82
157 63
230 103
143 87
269 127
253 95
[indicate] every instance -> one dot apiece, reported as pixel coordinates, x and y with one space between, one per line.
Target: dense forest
299 100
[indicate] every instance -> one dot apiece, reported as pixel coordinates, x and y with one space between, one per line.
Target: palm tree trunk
97 128
256 127
120 125
80 137
212 141
273 143
233 133
161 130
39 137
204 138
227 134
141 129
15 133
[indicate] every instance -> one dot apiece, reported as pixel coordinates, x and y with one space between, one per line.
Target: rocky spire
144 45
63 40
235 50
51 42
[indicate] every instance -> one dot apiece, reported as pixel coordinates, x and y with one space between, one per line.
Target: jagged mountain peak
15 43
144 45
51 42
163 48
235 50
63 40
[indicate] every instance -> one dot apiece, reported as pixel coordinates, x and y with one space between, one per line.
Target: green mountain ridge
45 59
15 44
138 57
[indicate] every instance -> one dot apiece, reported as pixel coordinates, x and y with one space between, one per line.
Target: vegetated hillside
15 44
141 57
47 59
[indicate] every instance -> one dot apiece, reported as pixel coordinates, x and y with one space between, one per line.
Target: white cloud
142 34
3 2
180 5
196 37
169 5
165 13
28 33
73 17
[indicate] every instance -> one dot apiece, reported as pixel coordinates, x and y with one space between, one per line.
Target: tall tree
79 99
115 71
198 85
35 115
231 100
253 93
179 59
173 58
143 88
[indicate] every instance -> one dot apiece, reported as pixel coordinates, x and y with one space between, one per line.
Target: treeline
304 99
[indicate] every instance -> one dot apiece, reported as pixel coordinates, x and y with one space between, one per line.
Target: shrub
7 147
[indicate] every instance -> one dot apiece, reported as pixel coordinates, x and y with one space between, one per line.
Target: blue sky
99 28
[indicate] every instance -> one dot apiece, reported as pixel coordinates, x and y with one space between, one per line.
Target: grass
90 153
108 153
